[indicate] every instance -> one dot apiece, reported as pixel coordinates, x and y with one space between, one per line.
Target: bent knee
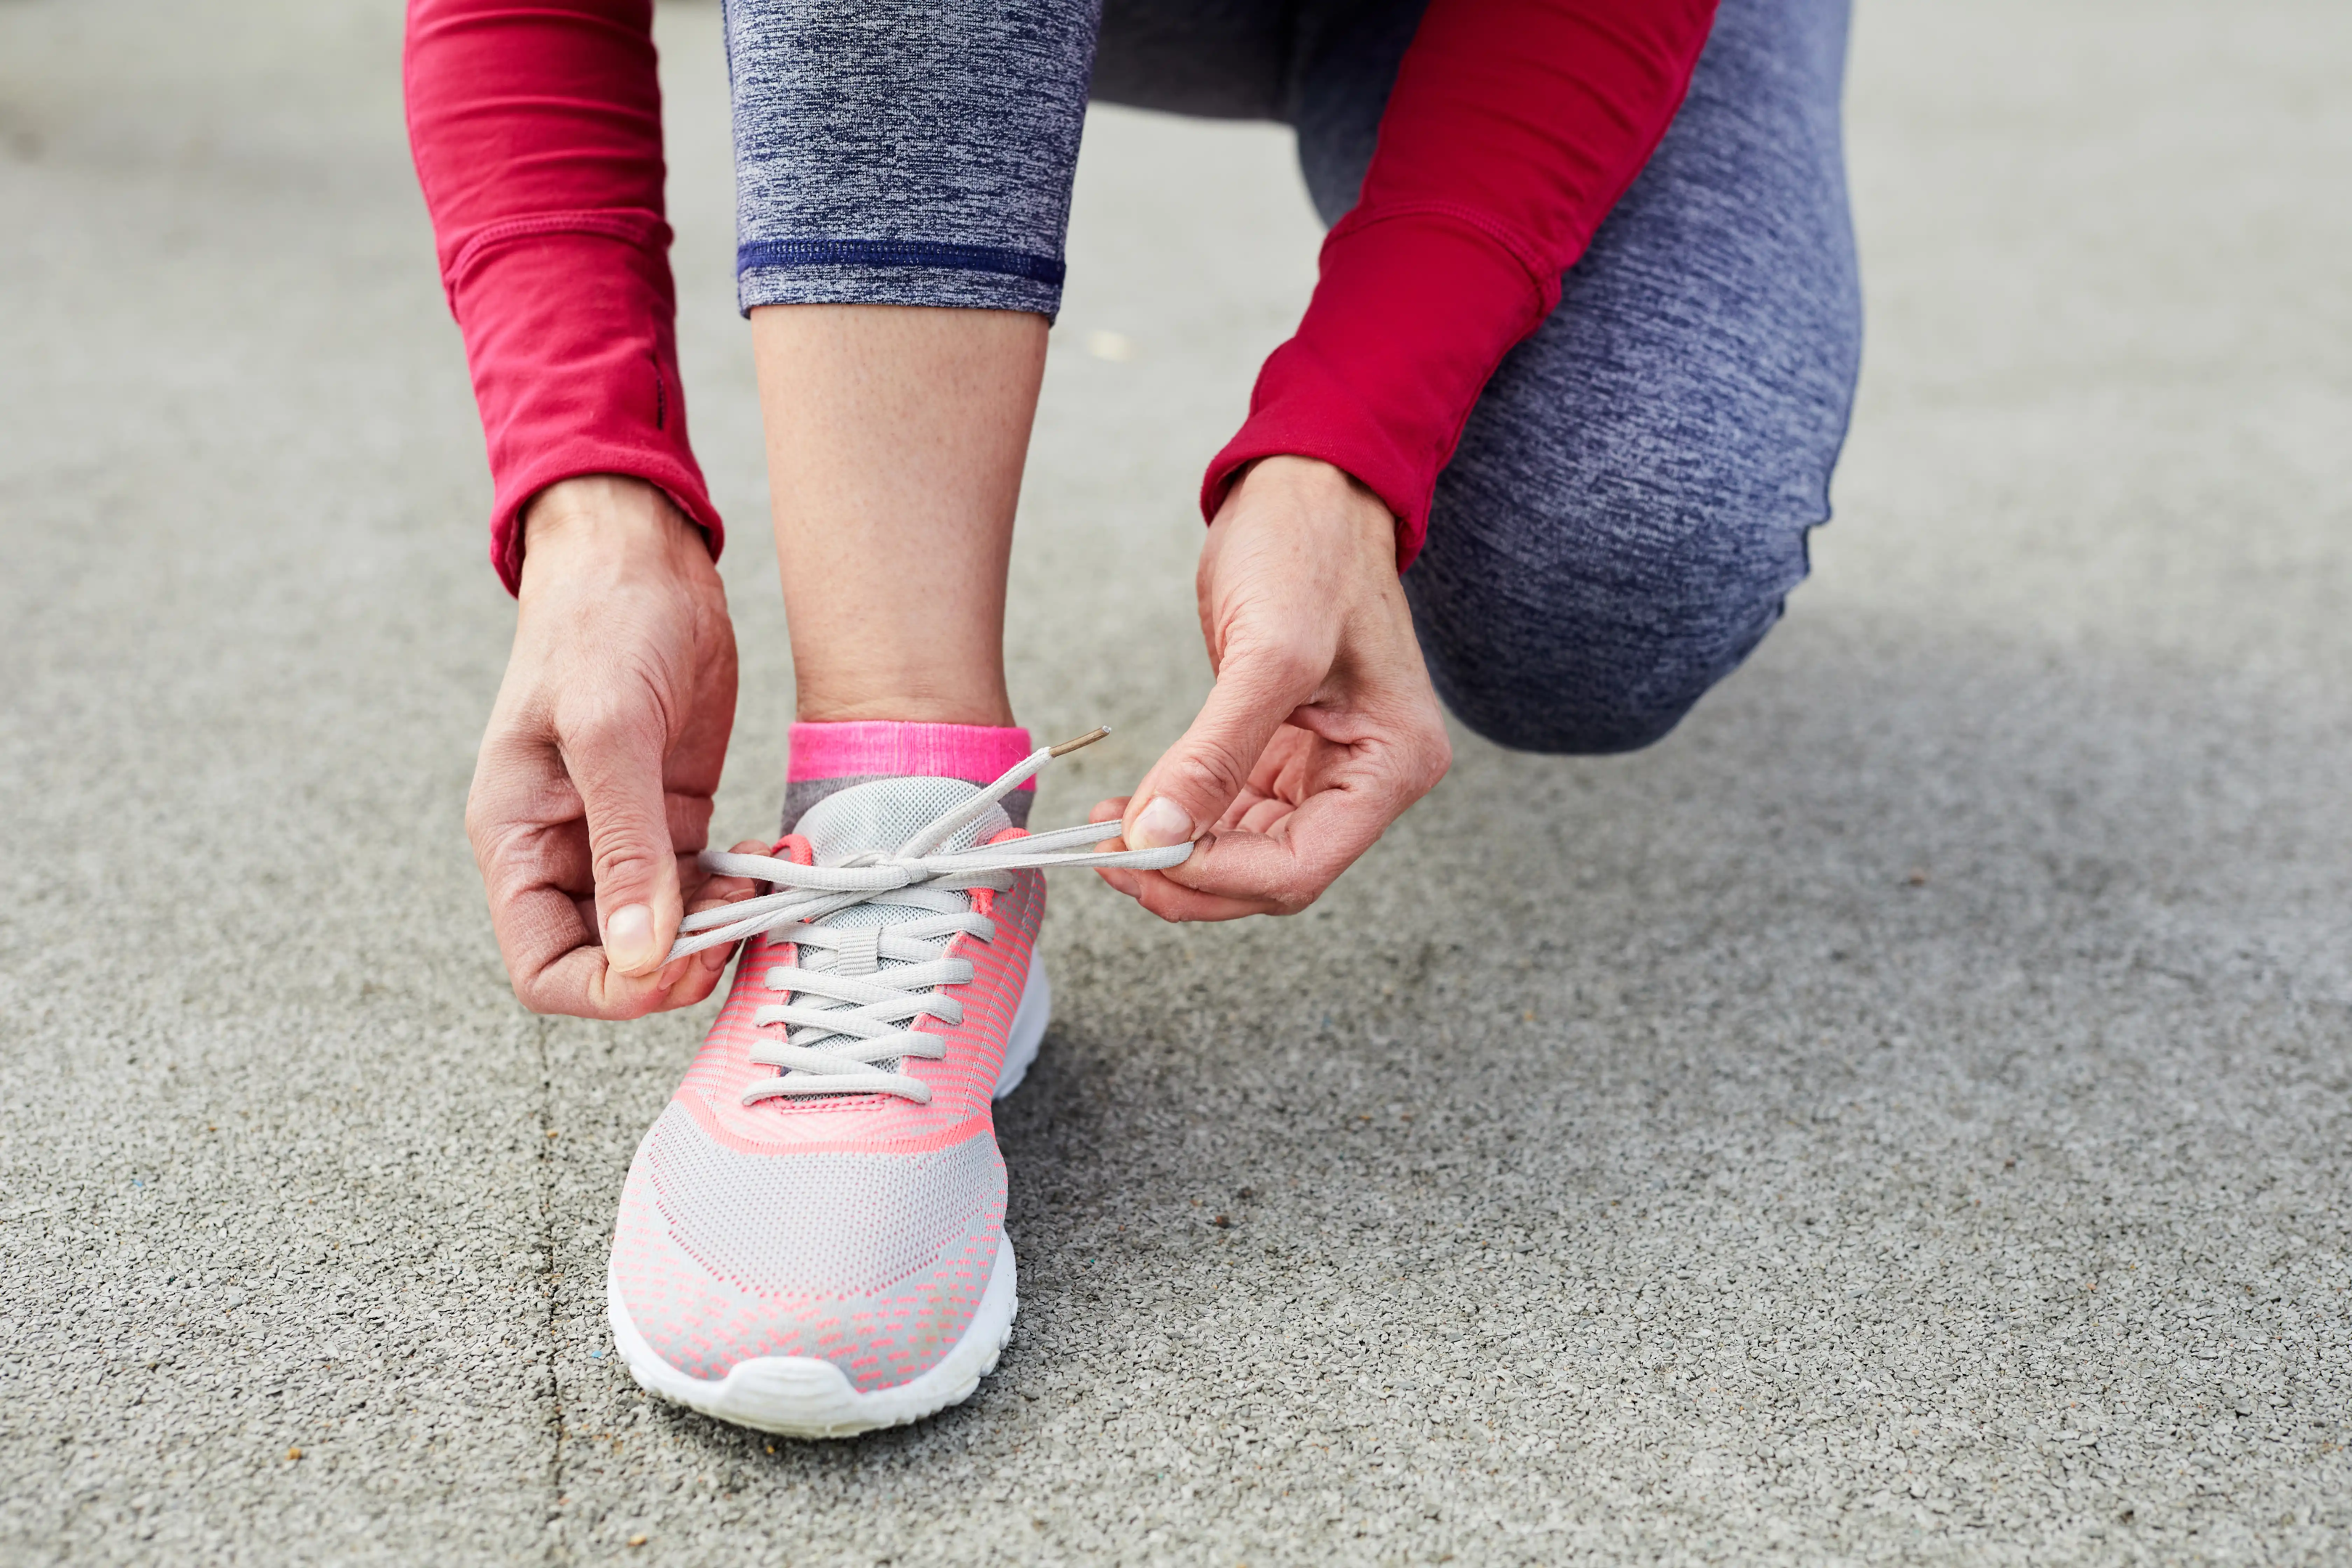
1596 705
1599 669
1561 723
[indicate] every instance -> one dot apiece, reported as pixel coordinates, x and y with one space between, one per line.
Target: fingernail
1162 823
629 939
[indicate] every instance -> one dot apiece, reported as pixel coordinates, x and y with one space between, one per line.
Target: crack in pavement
558 1549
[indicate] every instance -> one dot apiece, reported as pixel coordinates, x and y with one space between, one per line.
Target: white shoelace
847 1014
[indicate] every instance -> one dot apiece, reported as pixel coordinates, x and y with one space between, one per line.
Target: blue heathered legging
1629 505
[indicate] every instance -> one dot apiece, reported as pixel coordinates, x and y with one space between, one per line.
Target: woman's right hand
593 792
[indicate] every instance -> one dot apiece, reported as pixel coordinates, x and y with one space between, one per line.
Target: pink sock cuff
976 752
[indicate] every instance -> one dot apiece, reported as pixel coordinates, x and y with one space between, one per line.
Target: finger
1174 902
548 943
617 767
1191 786
705 890
714 892
710 961
582 985
523 819
688 980
688 814
1253 812
1290 867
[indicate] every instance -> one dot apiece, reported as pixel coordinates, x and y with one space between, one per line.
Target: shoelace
847 1014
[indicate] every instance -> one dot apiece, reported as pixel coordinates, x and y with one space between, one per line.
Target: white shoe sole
1028 1031
802 1396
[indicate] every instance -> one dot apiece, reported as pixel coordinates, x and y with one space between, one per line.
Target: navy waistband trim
898 253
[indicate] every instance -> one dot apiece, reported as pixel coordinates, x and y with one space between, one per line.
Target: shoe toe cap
873 1261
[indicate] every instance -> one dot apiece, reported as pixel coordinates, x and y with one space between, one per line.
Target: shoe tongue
886 812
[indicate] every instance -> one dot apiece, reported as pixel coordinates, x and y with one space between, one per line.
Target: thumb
1189 787
618 772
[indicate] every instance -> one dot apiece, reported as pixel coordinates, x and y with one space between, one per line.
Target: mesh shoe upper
857 1228
873 1262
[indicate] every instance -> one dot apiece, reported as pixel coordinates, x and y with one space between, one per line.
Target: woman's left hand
1322 727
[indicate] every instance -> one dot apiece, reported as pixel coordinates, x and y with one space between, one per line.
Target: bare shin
895 437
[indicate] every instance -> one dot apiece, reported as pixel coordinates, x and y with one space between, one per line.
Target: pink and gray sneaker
812 1237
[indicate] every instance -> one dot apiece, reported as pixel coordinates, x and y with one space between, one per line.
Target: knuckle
488 803
505 878
1213 773
624 691
492 827
610 724
627 863
631 1008
481 831
1291 894
1436 761
1277 661
1164 901
543 994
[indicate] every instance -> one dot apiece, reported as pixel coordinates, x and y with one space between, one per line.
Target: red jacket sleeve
1514 127
537 132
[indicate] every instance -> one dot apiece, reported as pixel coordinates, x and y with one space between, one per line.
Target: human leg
903 177
810 1239
1214 59
895 437
1628 506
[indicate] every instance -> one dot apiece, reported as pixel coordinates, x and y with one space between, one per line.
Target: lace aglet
946 827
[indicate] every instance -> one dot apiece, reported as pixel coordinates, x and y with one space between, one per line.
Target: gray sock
802 793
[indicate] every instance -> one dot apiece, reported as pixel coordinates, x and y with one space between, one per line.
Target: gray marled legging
1629 505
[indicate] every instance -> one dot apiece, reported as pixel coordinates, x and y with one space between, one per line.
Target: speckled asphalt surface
1902 1118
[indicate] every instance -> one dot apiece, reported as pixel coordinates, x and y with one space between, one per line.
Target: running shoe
812 1237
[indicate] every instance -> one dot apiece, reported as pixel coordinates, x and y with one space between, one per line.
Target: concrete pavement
1902 1117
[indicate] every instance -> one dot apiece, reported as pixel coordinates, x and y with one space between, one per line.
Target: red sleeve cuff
1413 312
567 320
